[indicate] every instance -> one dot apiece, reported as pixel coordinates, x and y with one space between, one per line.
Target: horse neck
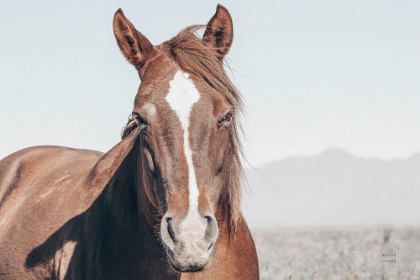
125 194
119 203
118 225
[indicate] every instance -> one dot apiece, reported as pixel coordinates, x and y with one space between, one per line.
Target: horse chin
183 266
187 269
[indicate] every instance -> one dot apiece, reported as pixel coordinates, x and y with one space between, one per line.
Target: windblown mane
194 57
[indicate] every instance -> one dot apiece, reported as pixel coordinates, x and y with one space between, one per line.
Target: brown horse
164 203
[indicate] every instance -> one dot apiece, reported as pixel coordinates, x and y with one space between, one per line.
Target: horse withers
164 203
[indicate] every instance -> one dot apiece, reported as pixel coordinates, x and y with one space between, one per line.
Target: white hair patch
181 97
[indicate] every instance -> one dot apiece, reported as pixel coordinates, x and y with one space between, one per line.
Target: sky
314 74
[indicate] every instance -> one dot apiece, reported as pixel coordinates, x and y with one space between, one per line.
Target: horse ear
219 32
134 45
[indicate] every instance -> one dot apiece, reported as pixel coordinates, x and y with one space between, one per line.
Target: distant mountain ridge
333 188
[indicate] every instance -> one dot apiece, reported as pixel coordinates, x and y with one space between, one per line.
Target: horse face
185 138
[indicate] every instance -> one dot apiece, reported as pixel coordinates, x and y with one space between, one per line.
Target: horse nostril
208 218
170 230
211 230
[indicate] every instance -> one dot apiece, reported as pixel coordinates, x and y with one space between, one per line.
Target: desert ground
337 253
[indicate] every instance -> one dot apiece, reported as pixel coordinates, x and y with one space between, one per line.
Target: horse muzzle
189 242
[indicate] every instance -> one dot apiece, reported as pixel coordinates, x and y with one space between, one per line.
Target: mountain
333 188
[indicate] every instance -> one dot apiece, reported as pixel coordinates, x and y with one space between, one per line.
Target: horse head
186 110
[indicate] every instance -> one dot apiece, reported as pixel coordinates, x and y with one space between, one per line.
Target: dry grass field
339 253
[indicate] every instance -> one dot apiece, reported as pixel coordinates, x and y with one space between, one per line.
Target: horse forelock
195 57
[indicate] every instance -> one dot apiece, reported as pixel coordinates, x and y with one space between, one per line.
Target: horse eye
140 121
226 120
228 117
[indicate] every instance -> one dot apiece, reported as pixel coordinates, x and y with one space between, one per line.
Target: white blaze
150 109
181 97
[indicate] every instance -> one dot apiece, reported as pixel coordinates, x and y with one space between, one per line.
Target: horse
163 203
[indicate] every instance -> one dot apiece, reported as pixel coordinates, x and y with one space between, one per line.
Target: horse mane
193 56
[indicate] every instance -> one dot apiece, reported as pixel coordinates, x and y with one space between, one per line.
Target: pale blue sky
315 74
